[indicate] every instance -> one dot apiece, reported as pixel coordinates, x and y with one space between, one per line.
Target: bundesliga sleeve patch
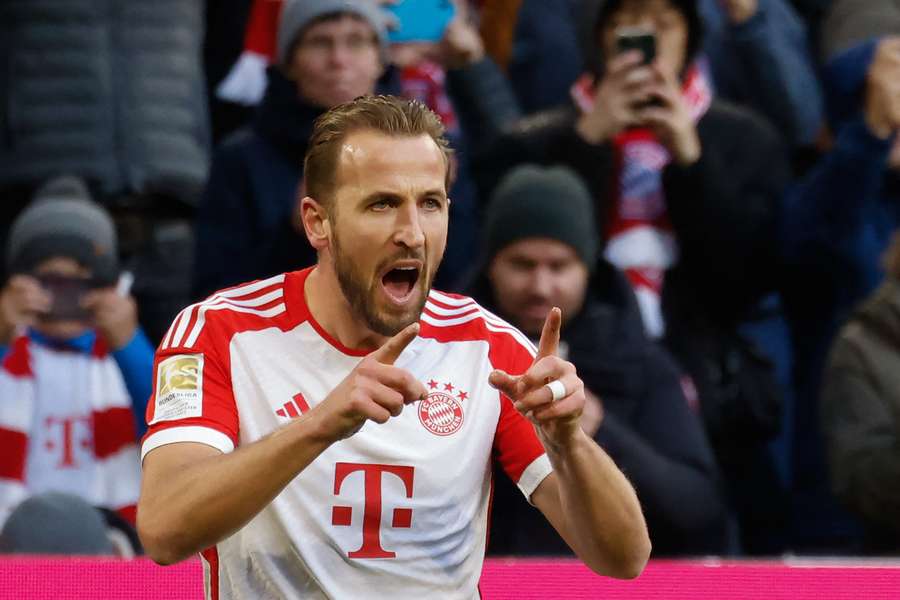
179 388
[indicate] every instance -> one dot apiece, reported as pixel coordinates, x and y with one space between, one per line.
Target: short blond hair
393 116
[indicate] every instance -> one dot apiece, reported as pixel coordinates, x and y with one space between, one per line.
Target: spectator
759 56
111 92
837 222
861 412
687 197
542 252
55 523
76 368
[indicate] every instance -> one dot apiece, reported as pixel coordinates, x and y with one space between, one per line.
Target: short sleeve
516 445
192 398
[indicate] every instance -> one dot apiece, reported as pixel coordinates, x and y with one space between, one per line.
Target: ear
316 224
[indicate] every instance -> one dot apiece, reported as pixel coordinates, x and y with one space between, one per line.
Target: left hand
557 421
114 316
671 121
460 47
740 11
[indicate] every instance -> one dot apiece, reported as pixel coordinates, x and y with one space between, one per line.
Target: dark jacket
111 91
861 416
648 429
837 222
244 222
765 63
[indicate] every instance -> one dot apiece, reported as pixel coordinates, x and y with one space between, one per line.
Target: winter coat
110 91
765 63
244 227
648 429
837 221
861 416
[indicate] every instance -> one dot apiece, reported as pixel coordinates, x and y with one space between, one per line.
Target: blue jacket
766 64
837 221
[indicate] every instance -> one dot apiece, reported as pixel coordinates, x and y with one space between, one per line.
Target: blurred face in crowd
335 60
531 276
61 278
389 218
668 24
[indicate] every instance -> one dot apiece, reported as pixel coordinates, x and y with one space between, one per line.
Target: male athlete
329 433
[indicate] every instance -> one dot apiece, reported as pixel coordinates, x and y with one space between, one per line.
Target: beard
361 296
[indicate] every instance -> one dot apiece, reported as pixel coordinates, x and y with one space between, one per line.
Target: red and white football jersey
398 510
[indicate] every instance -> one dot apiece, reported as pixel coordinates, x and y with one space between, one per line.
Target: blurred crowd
708 189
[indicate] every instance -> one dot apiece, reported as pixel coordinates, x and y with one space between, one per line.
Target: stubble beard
361 296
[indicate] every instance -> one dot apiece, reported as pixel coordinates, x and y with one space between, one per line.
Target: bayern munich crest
441 412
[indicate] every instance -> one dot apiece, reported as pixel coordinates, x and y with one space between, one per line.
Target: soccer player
328 433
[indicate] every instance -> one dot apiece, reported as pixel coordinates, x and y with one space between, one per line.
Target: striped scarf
640 237
66 425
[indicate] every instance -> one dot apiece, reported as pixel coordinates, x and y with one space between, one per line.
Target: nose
541 282
408 230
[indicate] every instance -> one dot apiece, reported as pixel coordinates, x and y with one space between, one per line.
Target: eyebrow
392 196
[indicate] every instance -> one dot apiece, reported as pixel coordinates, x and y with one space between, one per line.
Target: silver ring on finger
557 389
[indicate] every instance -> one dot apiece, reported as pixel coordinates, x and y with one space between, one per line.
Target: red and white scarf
66 425
640 239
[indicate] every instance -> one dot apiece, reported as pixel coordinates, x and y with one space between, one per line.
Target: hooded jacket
648 429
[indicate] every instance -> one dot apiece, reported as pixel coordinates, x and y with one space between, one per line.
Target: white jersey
398 510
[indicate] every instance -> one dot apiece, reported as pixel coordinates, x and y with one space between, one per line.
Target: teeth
406 268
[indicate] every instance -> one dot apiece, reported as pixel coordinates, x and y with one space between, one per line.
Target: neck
333 313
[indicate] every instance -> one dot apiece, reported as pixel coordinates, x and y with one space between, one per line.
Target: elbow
629 562
160 543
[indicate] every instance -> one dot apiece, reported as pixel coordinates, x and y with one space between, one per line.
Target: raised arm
587 499
193 495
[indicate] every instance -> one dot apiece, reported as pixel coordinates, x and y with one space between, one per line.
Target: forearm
602 516
194 506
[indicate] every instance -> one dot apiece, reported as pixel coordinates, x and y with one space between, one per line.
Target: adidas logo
293 409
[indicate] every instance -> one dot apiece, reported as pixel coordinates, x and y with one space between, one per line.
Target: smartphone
637 38
67 294
420 20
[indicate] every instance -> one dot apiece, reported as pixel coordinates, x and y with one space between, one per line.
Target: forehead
370 161
337 24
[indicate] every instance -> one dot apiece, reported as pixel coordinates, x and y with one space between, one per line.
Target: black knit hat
62 220
594 14
540 202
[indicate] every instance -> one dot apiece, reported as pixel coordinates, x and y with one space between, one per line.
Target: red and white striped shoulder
451 317
240 308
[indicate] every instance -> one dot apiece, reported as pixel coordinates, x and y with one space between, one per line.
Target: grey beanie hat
62 220
541 202
297 14
850 22
55 523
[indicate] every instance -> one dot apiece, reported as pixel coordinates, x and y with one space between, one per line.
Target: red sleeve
192 398
516 444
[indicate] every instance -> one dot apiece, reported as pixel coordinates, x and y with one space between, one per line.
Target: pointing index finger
549 344
392 348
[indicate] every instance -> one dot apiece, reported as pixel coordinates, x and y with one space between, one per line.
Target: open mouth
400 282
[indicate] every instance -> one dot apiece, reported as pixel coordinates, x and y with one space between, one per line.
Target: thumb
394 347
504 382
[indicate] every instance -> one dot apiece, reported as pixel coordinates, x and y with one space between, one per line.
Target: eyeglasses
324 45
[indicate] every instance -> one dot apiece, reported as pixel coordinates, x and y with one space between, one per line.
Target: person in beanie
541 251
687 190
75 367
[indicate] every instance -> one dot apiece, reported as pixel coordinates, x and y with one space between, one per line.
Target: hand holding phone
637 38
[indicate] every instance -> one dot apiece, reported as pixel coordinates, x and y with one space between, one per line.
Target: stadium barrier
38 578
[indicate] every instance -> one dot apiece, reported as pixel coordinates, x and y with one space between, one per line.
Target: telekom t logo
402 517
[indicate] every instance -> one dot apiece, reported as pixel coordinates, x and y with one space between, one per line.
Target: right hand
22 302
626 85
882 104
375 390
